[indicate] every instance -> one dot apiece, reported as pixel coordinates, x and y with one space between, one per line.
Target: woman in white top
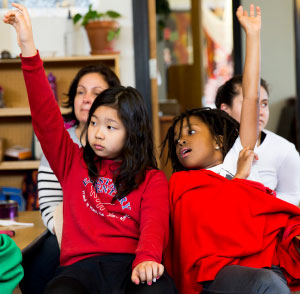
278 160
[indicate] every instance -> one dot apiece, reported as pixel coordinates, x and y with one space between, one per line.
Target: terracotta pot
97 33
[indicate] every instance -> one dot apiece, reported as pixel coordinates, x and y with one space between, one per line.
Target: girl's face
89 87
236 108
106 133
196 148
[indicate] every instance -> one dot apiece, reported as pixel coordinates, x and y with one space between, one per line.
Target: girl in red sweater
115 208
225 234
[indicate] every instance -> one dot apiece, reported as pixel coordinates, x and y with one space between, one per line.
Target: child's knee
269 282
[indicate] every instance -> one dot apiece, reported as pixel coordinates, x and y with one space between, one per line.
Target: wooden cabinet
15 118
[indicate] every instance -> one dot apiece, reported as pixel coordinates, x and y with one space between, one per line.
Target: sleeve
288 176
47 120
49 189
50 194
154 225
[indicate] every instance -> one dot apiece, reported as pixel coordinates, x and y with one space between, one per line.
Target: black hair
229 90
109 76
138 152
223 128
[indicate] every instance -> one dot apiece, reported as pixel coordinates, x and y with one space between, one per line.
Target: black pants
237 279
109 274
40 264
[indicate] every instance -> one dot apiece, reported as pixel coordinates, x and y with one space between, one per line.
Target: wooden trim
23 111
154 87
20 165
109 56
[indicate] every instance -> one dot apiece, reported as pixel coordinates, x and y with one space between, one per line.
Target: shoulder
155 175
73 136
276 139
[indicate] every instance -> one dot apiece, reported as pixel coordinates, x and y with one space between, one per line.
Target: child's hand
252 23
147 271
20 20
244 163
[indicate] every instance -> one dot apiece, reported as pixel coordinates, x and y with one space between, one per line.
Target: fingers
148 271
23 10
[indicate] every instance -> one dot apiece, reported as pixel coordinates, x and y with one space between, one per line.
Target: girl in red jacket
224 233
115 212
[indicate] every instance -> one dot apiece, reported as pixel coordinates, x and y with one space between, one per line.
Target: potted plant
101 27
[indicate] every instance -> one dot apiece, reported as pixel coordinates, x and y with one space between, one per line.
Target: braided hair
223 128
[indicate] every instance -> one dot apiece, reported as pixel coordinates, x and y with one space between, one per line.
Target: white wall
49 27
277 53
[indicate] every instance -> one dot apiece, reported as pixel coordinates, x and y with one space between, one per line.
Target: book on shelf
18 153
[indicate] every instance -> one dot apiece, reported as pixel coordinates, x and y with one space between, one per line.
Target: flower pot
97 33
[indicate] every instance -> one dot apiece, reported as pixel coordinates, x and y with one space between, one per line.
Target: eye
79 92
111 127
191 132
264 105
92 123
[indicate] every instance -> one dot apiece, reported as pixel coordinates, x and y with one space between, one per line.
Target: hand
20 20
244 163
252 23
147 271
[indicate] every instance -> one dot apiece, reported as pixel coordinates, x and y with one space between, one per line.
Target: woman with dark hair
40 264
278 161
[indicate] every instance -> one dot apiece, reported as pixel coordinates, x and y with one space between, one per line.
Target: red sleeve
154 226
47 120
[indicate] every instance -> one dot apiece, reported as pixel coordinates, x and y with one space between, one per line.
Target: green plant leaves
112 34
76 18
112 14
94 15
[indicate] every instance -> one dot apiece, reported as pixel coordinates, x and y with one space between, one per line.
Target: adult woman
40 264
278 161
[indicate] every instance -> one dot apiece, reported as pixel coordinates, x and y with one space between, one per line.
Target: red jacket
218 222
93 224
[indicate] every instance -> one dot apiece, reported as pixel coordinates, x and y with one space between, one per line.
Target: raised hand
251 23
147 271
244 164
20 20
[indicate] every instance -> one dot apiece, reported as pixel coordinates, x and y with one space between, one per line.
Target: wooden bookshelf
15 118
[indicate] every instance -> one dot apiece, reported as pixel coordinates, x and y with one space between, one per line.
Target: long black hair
108 75
138 152
230 89
223 128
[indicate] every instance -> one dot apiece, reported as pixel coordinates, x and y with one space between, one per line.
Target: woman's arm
251 76
50 194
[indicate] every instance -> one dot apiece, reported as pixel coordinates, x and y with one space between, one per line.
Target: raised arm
20 20
251 77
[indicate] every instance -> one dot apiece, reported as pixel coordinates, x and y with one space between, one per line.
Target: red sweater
93 225
217 222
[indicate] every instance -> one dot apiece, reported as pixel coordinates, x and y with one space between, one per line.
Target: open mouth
185 151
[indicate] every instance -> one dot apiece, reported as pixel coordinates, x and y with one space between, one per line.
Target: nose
88 98
181 141
99 134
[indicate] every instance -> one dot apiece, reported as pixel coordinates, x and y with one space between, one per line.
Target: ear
219 142
225 107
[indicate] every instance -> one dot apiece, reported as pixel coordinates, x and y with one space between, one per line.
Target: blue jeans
237 279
